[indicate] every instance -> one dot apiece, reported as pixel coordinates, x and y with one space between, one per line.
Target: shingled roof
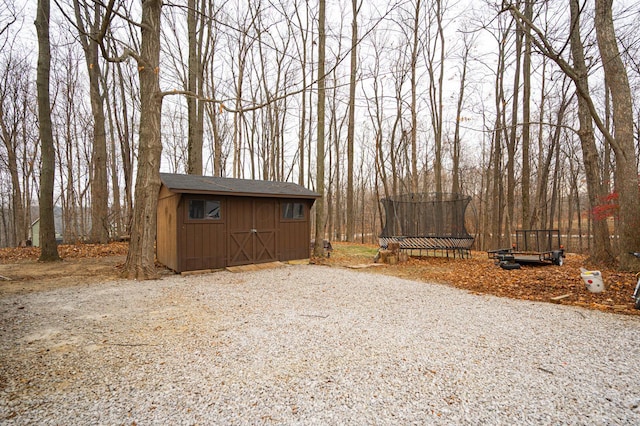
193 184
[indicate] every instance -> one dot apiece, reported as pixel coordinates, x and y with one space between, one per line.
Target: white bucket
593 280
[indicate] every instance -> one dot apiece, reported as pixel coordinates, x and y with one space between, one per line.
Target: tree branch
543 45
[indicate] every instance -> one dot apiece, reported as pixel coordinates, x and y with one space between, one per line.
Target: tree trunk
497 196
302 23
455 180
526 117
435 93
601 248
14 78
195 132
537 219
48 245
355 7
124 136
140 262
99 182
414 101
318 248
113 167
626 174
303 122
511 139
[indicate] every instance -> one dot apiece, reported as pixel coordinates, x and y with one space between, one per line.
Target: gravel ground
309 345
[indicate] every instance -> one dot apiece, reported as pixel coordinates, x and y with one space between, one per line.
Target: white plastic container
593 280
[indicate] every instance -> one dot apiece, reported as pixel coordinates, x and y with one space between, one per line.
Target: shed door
252 231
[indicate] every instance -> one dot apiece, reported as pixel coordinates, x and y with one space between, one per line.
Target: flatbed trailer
532 246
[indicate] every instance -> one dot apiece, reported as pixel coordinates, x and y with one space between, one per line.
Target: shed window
204 209
292 210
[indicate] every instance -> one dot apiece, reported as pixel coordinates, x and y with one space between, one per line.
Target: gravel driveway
309 345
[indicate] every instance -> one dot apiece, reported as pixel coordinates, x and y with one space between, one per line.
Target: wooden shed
212 222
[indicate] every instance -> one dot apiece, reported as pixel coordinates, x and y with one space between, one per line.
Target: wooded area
529 107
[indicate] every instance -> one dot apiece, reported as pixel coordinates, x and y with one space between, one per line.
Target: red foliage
608 207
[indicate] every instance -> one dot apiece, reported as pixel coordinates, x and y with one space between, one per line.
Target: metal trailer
537 246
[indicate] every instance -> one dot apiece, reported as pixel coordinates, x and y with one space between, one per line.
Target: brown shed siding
252 230
167 228
201 242
241 227
204 246
294 234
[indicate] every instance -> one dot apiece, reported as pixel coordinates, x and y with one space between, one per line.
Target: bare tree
72 145
355 9
526 116
415 50
125 121
601 248
199 43
318 249
435 59
622 143
14 110
376 115
496 199
141 256
241 48
8 16
303 23
99 190
48 245
456 186
140 263
113 160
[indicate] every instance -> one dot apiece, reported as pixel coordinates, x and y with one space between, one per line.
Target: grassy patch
353 251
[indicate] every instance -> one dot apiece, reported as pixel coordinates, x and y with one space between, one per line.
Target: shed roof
193 184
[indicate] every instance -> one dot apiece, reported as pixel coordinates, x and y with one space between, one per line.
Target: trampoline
433 223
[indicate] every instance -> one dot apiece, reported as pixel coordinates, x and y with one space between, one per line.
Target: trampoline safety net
431 221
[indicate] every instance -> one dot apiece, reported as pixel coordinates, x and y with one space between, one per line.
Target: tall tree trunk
497 196
115 180
556 199
526 117
194 107
436 89
48 245
601 248
414 101
541 181
377 117
19 234
355 7
99 181
318 248
497 188
456 187
303 123
9 128
124 135
511 139
537 220
626 174
140 262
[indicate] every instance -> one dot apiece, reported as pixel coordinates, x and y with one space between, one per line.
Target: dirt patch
31 276
20 272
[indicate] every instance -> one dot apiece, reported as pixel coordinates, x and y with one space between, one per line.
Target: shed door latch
253 231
